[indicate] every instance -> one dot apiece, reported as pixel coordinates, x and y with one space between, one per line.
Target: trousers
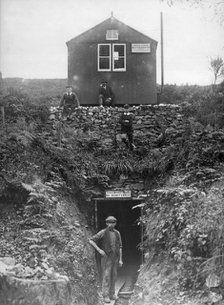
109 266
105 101
129 134
68 110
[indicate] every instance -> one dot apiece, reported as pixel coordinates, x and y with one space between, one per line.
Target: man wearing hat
69 102
126 122
106 96
110 248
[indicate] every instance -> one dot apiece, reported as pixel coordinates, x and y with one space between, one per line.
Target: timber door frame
139 203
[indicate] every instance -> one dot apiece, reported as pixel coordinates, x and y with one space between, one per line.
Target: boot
114 297
106 300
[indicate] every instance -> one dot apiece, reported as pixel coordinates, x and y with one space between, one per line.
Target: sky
34 34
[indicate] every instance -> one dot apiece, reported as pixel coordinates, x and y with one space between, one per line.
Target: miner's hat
111 219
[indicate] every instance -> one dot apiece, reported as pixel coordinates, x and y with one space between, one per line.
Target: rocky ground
159 286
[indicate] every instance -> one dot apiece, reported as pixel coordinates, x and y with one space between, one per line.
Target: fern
114 168
109 168
39 202
28 187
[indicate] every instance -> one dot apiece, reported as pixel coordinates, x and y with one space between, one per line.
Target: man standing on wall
110 250
106 96
69 102
126 121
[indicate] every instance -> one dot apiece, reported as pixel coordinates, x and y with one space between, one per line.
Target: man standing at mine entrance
110 249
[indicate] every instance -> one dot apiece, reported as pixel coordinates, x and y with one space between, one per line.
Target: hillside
46 194
48 91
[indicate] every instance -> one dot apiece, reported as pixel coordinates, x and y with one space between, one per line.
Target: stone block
7 260
16 291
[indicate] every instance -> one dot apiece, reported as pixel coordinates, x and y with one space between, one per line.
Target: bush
186 225
173 94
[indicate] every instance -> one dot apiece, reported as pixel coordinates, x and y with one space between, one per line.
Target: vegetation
40 188
217 66
216 6
182 170
204 104
37 91
187 225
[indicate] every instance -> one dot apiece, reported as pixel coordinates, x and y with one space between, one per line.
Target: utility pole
1 100
162 64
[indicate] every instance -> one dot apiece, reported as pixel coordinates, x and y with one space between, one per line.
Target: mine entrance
128 226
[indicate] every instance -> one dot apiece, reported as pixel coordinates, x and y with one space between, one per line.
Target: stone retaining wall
149 120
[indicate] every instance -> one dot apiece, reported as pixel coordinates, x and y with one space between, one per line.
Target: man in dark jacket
106 96
126 121
69 102
110 249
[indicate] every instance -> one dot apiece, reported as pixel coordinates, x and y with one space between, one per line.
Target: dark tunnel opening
128 227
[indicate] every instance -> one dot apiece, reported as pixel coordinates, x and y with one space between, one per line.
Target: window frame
125 55
98 57
111 57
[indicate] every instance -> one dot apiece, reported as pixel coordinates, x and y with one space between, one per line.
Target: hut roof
110 22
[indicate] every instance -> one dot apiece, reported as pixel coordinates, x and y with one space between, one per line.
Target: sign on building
118 194
140 48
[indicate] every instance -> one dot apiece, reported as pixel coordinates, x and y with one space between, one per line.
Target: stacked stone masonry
149 121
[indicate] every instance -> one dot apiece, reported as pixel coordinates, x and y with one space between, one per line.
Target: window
104 57
112 35
119 57
112 57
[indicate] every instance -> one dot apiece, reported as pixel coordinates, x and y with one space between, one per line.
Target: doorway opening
129 228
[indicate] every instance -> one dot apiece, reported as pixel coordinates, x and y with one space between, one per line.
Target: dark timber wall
136 85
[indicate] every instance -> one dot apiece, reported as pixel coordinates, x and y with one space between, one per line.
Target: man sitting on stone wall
106 95
69 102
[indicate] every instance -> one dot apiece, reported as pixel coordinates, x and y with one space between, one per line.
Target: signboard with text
140 48
118 194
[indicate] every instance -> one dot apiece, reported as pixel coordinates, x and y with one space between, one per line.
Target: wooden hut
118 53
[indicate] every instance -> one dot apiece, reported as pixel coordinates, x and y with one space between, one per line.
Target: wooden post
162 63
59 133
96 215
3 115
142 236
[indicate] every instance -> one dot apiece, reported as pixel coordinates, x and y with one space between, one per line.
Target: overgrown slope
46 193
41 225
